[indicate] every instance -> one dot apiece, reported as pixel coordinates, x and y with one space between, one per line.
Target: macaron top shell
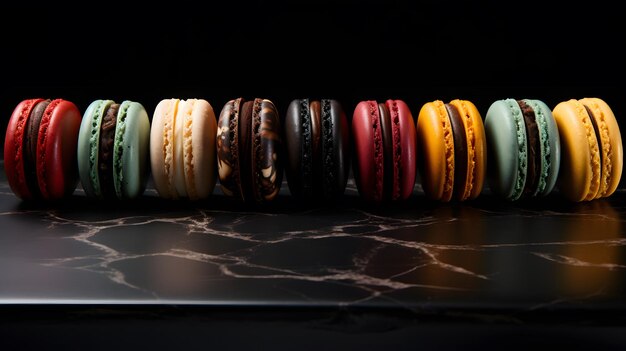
14 149
368 144
55 161
506 131
436 147
89 141
336 158
299 148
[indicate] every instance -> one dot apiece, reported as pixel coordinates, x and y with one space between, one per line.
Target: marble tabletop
522 258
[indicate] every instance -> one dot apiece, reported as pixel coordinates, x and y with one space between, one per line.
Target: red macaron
384 143
40 149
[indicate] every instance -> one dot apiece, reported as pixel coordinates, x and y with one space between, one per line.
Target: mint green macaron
523 148
113 149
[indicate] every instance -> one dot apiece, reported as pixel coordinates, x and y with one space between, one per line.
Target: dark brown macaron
248 150
317 140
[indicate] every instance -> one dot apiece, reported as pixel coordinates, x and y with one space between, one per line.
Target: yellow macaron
592 152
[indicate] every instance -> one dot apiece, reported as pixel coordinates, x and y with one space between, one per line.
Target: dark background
417 51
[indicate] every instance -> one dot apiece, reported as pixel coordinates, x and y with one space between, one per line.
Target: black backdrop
417 51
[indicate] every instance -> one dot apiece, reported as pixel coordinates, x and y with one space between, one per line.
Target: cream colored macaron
182 149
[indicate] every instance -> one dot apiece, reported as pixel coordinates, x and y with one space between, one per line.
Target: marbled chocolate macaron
248 150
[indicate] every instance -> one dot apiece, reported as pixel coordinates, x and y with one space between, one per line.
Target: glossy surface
485 259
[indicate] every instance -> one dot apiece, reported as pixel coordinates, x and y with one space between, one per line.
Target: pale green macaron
113 149
523 148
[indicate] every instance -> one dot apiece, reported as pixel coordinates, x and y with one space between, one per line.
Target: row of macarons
521 149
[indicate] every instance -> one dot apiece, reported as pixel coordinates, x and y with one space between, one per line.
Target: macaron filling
544 160
245 143
188 157
307 148
522 148
30 146
106 149
120 131
257 153
594 146
228 150
328 161
472 163
388 159
397 148
605 168
460 151
378 148
533 148
448 140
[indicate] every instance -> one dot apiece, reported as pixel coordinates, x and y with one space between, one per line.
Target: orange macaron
451 148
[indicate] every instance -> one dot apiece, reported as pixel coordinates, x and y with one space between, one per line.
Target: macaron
384 146
113 149
592 152
249 150
182 149
523 148
40 149
317 143
452 150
